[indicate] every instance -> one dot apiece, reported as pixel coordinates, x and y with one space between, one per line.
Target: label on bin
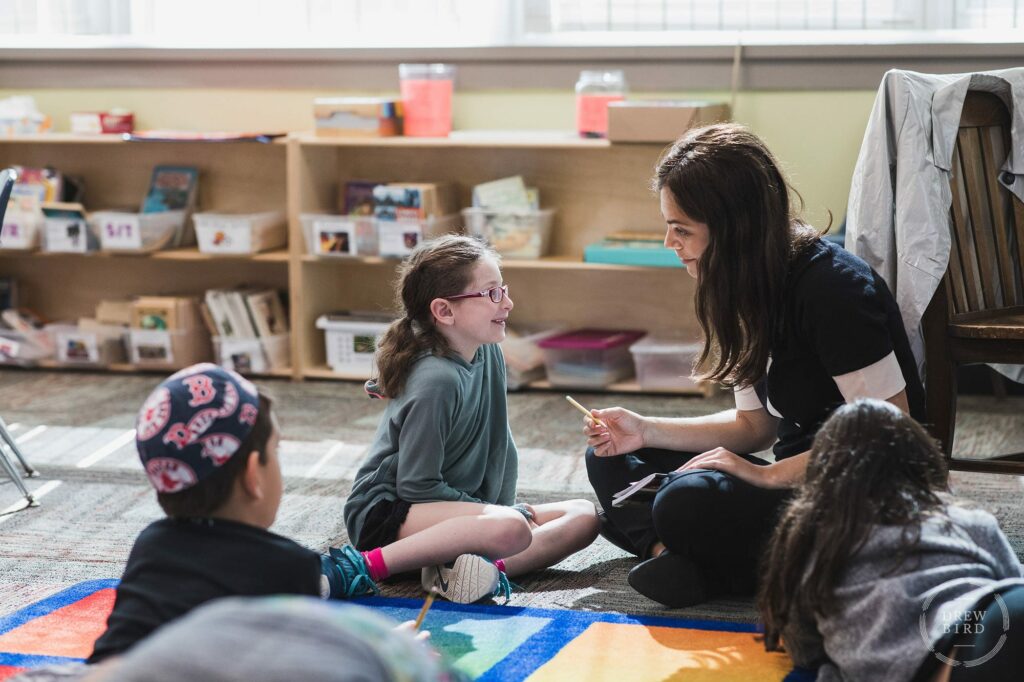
151 346
67 235
399 238
77 348
335 237
18 231
9 348
120 231
225 236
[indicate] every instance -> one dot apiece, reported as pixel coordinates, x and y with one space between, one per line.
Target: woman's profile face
684 235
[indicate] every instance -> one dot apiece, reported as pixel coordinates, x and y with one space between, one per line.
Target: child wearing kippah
208 441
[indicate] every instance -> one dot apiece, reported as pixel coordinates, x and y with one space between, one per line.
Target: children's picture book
172 188
506 193
358 196
640 492
267 312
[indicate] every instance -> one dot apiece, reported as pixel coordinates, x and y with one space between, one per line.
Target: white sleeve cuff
881 380
746 399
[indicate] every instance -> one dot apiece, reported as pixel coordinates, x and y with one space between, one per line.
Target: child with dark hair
437 490
876 573
208 441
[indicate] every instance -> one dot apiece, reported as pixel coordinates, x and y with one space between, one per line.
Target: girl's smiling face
684 235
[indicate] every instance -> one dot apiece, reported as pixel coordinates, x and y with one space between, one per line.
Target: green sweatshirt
445 438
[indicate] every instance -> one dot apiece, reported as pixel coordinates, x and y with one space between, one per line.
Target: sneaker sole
470 579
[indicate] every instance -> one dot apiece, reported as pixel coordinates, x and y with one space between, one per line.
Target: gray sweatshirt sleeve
429 407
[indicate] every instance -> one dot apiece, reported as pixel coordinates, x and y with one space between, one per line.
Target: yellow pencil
584 410
426 607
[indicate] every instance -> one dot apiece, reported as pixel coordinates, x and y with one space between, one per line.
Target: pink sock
500 563
375 564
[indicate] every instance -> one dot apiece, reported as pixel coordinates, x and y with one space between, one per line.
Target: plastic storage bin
99 345
398 238
253 355
588 358
351 342
17 349
664 363
21 230
240 233
524 360
69 235
513 234
167 349
340 235
138 232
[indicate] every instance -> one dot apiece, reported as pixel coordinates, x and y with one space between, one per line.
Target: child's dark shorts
382 523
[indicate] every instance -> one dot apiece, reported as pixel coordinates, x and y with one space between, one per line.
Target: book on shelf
266 311
358 197
192 136
171 188
639 493
8 292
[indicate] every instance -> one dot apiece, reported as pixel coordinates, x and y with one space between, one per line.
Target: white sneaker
469 579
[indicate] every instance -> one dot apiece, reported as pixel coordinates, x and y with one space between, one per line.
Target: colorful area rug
487 642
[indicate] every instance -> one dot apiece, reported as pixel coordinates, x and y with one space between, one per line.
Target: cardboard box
357 116
660 120
165 313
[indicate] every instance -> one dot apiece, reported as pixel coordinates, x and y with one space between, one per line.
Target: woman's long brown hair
437 268
871 464
724 176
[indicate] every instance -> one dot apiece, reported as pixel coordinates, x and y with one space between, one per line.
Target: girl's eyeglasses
497 294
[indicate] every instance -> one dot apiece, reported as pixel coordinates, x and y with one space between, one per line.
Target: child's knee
585 519
507 535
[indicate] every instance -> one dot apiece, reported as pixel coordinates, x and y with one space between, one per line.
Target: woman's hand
728 462
622 431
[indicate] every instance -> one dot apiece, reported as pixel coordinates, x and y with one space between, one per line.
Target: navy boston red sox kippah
192 423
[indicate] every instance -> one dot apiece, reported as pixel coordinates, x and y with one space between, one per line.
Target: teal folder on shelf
631 253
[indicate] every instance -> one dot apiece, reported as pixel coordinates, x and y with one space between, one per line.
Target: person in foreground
875 572
795 325
208 441
437 489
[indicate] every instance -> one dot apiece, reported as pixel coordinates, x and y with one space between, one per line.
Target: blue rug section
52 603
552 630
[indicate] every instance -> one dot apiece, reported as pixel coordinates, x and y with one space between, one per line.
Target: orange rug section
69 631
617 651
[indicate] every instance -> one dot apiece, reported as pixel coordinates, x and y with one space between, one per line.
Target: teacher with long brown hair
794 324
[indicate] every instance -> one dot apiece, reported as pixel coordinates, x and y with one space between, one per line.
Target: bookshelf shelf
595 188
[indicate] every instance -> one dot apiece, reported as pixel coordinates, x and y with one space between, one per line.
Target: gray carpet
87 521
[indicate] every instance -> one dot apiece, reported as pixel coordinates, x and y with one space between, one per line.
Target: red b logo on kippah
201 388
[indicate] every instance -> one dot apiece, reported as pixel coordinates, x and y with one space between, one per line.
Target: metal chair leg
7 443
6 435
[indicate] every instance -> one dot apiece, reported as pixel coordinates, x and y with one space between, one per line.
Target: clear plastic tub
340 235
125 231
240 233
253 355
98 345
664 363
351 342
524 360
513 234
21 230
399 237
589 358
17 349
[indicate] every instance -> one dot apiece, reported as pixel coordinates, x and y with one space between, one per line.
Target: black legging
719 521
970 649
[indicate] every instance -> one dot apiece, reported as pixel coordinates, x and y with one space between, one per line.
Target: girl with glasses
794 324
437 490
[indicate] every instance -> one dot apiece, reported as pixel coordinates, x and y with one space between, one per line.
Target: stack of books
632 248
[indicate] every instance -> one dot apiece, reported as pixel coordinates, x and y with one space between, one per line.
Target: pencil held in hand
584 410
426 607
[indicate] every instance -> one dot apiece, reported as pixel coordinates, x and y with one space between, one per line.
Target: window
475 23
